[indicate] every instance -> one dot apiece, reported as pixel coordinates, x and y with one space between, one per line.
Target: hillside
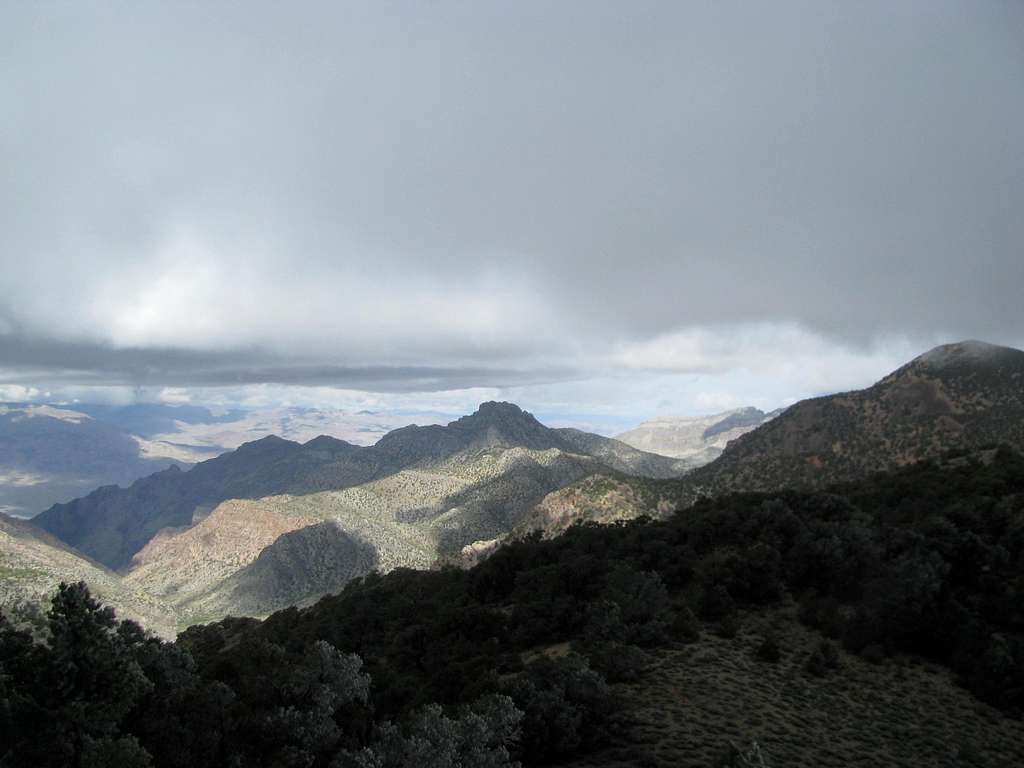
956 397
214 541
885 600
33 563
698 439
694 702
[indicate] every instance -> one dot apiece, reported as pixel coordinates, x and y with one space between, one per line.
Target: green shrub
730 626
769 649
617 662
686 626
824 659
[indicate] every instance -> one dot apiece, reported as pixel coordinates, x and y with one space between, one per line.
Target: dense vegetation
512 660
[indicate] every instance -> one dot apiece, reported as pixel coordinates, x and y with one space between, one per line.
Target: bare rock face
178 566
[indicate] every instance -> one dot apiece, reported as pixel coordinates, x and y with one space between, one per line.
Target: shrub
734 757
686 626
769 649
823 659
617 662
717 602
566 704
730 626
873 654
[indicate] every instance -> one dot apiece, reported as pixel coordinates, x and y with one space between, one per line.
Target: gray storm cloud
474 191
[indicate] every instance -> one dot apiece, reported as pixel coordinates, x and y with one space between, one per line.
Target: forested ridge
517 659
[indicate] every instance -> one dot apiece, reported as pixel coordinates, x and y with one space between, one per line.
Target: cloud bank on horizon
586 206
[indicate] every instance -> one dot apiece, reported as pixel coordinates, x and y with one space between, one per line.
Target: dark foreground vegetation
513 660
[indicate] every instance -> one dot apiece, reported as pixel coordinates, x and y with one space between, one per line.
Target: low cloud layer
513 197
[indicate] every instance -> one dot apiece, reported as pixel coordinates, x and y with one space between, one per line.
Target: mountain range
55 452
278 523
215 539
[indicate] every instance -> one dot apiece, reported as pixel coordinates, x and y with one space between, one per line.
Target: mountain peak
968 353
496 409
270 443
506 424
499 414
500 408
328 443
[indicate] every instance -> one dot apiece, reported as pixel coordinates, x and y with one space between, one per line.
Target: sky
600 210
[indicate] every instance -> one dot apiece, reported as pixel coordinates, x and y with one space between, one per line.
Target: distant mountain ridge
698 439
55 452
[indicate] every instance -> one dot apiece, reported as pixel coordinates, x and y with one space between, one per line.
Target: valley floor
696 699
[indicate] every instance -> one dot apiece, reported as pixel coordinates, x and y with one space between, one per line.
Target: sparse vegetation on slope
696 705
33 563
407 519
963 396
421 494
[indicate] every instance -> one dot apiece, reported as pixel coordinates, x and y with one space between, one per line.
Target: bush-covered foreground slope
831 628
695 701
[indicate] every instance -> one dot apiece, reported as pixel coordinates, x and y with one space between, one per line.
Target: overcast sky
602 210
